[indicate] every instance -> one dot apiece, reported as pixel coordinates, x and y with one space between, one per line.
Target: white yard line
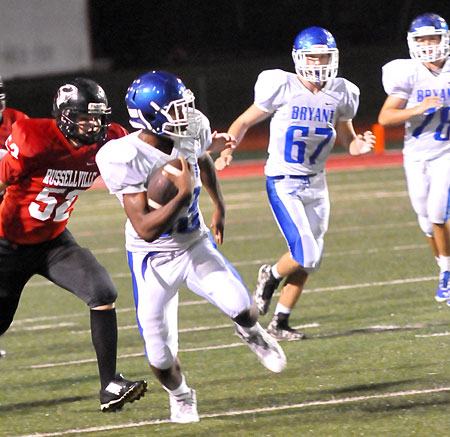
372 284
117 214
39 283
436 334
198 328
319 403
41 327
374 328
203 302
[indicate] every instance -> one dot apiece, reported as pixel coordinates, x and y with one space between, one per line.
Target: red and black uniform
9 117
45 174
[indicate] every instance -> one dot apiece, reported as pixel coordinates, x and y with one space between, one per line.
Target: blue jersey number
294 151
188 224
443 128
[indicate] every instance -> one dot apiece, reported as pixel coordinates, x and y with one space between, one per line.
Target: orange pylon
380 143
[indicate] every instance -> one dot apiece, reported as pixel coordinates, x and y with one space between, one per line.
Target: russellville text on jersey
69 178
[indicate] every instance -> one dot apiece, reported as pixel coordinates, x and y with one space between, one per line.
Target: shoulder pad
118 151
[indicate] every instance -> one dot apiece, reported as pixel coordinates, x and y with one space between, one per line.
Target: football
160 188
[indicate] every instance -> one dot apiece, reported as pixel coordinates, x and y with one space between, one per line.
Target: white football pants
428 187
156 280
301 208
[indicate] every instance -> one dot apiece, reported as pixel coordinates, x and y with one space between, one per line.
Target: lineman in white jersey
171 246
419 96
306 110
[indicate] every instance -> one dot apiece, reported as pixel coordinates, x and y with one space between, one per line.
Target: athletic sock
444 263
104 339
275 273
182 389
280 308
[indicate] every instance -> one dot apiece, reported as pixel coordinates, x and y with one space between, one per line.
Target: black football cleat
120 391
265 287
279 329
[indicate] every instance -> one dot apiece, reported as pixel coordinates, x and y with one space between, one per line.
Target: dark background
219 47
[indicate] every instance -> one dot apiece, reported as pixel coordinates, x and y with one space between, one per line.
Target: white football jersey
302 127
126 166
426 135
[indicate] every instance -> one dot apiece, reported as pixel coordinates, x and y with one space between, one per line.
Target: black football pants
62 261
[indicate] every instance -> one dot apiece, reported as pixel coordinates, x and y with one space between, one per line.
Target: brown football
160 188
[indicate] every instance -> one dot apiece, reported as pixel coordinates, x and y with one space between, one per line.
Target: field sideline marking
245 412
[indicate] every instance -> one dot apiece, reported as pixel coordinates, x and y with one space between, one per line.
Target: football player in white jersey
418 92
170 246
307 109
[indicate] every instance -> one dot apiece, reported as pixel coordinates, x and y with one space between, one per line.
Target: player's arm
150 225
237 130
210 181
2 188
220 141
356 144
3 152
394 113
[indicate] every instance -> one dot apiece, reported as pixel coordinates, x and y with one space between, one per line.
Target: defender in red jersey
55 174
48 164
7 118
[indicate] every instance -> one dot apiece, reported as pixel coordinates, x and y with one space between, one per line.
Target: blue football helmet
424 25
314 41
159 102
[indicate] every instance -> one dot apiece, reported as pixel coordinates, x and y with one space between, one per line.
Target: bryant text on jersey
442 93
312 114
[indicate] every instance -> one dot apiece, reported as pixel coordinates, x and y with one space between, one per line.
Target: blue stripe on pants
286 223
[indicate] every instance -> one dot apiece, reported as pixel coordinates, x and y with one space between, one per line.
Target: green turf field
375 362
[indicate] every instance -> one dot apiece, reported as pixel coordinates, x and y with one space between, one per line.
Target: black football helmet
81 111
